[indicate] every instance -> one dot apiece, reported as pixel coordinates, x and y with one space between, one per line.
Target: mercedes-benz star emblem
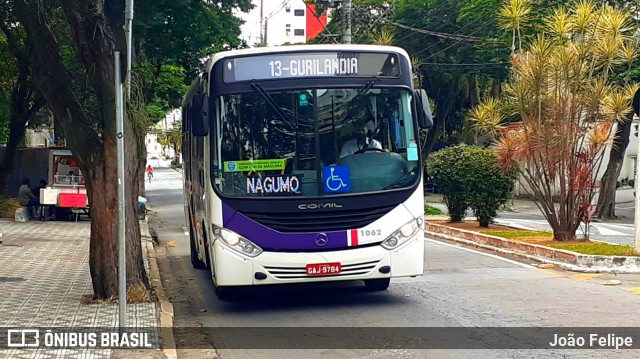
322 239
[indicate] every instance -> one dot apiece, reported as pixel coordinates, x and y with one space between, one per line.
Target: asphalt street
460 288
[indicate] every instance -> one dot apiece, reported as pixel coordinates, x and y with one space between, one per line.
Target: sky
251 28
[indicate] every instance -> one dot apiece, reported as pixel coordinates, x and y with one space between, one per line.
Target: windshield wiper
364 89
259 89
367 86
404 181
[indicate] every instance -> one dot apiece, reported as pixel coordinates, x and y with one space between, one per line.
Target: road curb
471 242
165 331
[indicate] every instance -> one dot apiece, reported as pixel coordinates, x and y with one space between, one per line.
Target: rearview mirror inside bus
425 118
200 115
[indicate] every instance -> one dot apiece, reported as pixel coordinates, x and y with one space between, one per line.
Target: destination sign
303 65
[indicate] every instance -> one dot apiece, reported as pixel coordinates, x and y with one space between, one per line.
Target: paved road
460 288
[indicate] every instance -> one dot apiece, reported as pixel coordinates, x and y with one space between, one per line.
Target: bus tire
207 258
377 284
224 293
195 261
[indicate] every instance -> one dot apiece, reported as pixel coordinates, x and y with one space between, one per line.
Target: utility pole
636 110
122 260
262 22
128 23
347 32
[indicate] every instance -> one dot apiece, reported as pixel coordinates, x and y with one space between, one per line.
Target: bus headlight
237 242
406 232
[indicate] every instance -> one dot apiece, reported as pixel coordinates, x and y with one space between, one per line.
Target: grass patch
431 211
136 293
8 207
596 248
519 234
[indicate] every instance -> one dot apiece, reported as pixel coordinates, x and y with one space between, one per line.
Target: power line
457 32
437 34
465 64
450 46
427 13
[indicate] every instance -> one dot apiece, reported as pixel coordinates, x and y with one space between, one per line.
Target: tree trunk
24 106
445 98
563 235
95 149
608 183
103 186
17 129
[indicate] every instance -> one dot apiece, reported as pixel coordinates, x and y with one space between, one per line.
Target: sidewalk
522 206
44 282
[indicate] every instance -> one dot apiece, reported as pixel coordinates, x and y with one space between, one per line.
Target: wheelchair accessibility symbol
336 179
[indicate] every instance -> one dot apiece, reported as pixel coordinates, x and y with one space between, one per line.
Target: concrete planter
566 259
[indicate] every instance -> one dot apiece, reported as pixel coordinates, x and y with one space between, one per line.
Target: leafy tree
460 55
564 92
445 167
487 119
182 32
164 89
71 55
175 137
486 186
78 37
471 176
20 102
171 39
6 72
607 193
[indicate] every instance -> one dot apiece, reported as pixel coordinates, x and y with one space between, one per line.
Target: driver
363 140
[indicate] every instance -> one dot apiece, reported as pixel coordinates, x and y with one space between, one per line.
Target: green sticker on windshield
257 165
303 99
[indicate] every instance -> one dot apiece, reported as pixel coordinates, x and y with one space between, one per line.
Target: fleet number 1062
370 232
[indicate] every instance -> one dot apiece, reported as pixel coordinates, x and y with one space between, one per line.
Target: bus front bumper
374 262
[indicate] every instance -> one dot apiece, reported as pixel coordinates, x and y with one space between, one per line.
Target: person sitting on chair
363 140
26 197
36 190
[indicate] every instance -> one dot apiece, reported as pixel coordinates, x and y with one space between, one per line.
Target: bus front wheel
224 293
377 284
195 261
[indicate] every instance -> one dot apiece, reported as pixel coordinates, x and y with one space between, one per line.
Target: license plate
324 269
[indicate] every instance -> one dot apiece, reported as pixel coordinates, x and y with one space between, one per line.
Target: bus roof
292 48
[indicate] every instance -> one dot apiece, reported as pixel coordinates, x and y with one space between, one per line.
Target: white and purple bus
302 164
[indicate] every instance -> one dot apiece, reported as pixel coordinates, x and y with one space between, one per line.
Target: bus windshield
314 142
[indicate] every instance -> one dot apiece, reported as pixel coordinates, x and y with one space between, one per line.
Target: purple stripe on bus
269 239
227 213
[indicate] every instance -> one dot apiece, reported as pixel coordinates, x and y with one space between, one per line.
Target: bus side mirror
636 102
200 115
425 118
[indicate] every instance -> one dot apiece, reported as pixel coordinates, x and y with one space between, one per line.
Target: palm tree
487 119
567 104
513 15
384 37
